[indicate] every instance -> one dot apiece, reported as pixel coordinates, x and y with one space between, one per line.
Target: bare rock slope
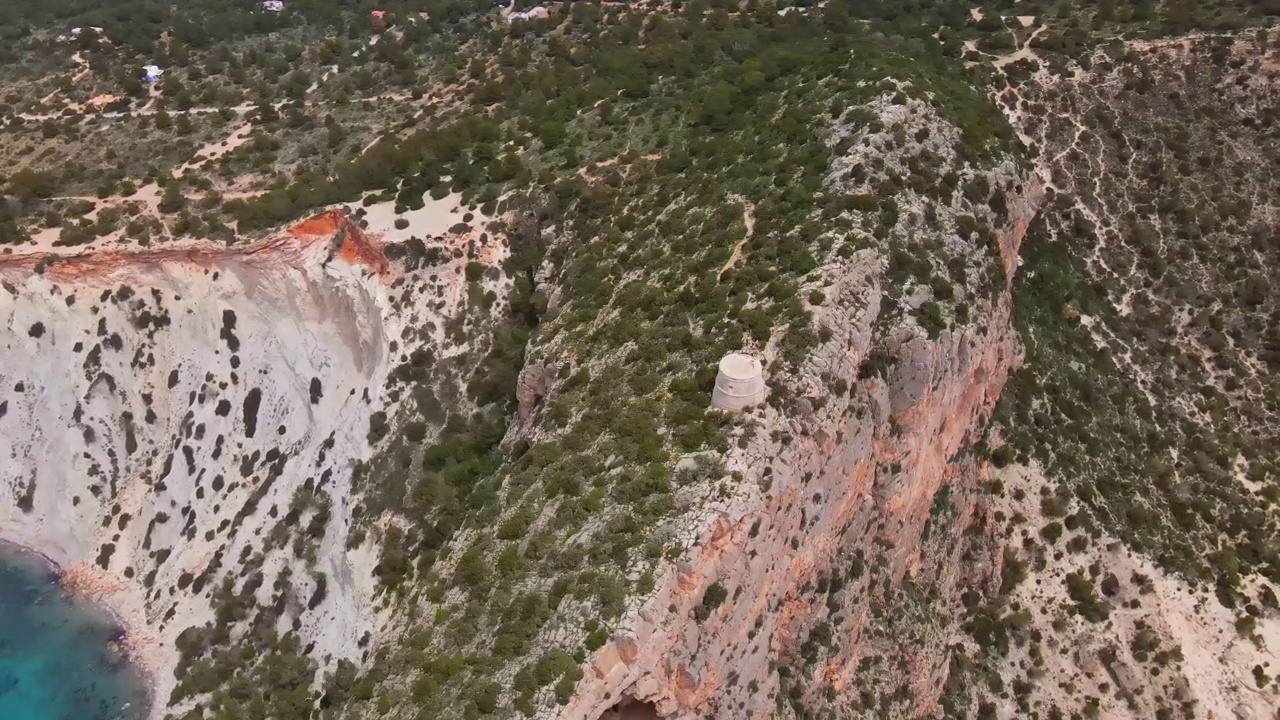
172 418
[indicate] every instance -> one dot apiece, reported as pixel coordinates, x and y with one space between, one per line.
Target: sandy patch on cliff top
435 218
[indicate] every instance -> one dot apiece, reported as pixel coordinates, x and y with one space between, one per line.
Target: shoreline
124 636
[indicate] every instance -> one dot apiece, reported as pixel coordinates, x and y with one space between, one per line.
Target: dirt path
748 219
1026 52
217 148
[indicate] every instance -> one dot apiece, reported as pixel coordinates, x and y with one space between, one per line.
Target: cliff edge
171 418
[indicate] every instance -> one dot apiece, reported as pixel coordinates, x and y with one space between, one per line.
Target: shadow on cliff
631 709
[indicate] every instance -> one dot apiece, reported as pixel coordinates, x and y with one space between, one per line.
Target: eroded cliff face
173 418
852 530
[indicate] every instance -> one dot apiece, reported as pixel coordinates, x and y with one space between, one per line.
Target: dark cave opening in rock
631 709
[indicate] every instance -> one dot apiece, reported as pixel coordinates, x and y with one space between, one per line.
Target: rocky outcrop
536 382
877 473
163 410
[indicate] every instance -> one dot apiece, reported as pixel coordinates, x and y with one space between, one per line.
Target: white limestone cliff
160 410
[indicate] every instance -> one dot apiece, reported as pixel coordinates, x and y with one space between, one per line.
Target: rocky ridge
843 479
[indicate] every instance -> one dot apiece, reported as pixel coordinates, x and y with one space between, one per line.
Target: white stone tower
739 384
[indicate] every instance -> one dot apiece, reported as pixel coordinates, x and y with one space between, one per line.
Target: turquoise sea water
55 659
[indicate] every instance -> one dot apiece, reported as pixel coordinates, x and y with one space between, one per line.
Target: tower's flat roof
738 366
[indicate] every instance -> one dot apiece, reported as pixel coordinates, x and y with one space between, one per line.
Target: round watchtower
739 384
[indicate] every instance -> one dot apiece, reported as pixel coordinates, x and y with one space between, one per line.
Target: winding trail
748 219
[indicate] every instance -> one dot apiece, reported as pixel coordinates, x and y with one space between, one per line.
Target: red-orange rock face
332 230
876 482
